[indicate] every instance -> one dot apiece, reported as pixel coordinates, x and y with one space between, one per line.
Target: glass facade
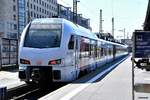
21 16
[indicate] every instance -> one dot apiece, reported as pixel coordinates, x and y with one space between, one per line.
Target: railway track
20 90
31 92
26 95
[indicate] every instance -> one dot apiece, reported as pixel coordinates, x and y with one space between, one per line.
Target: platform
142 84
117 85
10 79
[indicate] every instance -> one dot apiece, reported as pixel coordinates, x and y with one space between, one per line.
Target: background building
15 14
105 36
21 15
65 12
8 18
40 9
128 42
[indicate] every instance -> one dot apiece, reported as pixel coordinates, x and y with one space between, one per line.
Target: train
57 50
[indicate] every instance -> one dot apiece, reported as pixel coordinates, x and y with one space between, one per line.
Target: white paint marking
147 79
77 90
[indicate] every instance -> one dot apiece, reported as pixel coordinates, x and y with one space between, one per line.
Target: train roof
113 43
79 30
47 20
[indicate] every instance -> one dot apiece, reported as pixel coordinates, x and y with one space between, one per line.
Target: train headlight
22 67
24 61
55 62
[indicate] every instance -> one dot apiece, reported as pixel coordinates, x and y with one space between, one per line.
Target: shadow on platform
144 88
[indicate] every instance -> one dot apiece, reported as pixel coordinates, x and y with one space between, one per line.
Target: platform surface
117 85
10 79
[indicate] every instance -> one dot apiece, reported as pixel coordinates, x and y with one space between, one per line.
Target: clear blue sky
128 14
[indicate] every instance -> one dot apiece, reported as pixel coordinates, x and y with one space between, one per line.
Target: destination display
141 44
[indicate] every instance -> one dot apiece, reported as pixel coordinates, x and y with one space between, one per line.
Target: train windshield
43 36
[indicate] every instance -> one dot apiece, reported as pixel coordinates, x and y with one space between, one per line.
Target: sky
128 14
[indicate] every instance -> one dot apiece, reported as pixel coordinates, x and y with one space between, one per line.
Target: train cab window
71 42
43 36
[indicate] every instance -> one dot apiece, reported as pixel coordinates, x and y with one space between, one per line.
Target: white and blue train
57 50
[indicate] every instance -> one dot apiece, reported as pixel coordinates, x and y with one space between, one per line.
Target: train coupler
35 75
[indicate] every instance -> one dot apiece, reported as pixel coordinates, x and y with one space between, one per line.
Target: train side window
71 42
102 51
76 46
84 47
99 49
95 48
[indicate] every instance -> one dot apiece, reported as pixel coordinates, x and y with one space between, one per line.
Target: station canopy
147 18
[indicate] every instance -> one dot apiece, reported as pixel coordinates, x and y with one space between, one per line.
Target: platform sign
141 45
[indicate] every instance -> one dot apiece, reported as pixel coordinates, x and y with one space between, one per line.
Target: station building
15 14
8 18
65 12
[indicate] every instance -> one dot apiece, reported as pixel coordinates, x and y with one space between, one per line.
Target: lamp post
113 27
68 13
75 10
28 11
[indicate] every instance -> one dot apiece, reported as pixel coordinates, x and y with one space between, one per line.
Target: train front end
40 49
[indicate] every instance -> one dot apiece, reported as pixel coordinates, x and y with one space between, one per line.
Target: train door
74 49
114 52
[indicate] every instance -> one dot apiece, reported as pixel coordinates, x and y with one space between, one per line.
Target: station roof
147 18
